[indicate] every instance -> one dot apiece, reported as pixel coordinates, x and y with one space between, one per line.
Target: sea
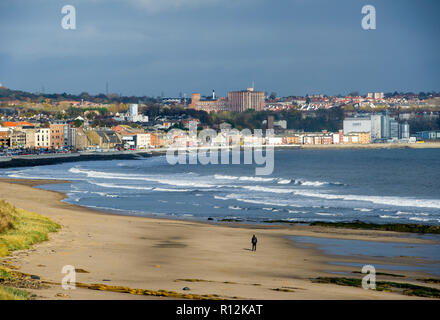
378 186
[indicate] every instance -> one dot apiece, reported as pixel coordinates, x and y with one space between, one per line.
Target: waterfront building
81 142
357 124
376 127
105 139
394 129
386 126
72 136
143 140
380 126
4 137
42 138
30 138
428 135
404 131
357 138
57 136
17 139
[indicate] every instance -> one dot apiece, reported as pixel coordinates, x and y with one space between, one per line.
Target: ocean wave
109 175
327 214
311 183
391 201
221 198
277 180
412 213
363 209
222 177
388 217
263 201
118 186
172 190
422 219
105 194
243 178
268 189
238 197
256 179
296 211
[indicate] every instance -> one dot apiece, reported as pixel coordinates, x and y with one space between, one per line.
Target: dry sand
149 253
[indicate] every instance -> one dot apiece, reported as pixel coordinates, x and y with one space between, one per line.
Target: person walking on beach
254 243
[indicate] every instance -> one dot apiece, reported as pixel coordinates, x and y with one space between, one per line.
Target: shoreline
403 228
38 160
156 254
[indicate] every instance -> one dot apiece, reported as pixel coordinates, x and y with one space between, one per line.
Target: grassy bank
19 229
8 293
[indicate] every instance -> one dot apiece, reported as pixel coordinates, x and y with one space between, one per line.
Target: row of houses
181 139
65 136
25 135
326 138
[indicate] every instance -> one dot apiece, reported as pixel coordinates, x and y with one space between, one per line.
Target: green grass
406 288
22 228
5 221
7 293
4 274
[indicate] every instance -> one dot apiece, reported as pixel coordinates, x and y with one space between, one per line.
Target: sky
150 47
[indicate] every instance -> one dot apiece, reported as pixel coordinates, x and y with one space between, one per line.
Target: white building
132 115
42 138
134 109
376 126
129 142
361 124
381 127
274 140
375 95
143 140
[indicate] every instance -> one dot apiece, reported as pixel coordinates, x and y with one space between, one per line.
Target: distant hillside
8 94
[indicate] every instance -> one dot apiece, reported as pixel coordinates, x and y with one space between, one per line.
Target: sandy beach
154 254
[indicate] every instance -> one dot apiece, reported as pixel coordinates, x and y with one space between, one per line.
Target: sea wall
48 159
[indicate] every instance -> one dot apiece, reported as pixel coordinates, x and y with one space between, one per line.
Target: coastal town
43 123
206 158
